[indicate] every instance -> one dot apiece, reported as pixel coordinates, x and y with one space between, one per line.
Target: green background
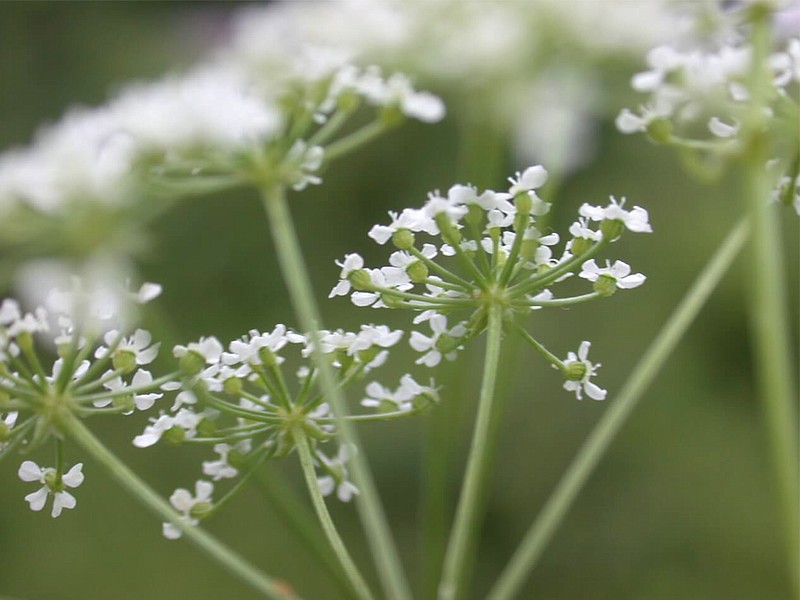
681 507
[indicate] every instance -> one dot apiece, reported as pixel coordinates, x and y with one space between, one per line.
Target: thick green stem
307 462
769 317
574 478
467 514
297 280
224 556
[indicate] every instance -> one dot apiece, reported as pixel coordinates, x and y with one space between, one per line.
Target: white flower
636 220
351 262
7 423
401 399
222 469
337 474
583 384
530 179
209 348
141 379
723 130
137 345
183 501
619 271
430 345
30 471
413 219
184 419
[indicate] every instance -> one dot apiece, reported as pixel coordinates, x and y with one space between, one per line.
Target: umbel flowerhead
249 404
72 358
468 252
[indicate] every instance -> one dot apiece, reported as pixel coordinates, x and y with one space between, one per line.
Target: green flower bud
424 402
5 432
192 363
125 402
25 341
605 285
51 479
206 428
174 435
417 271
236 459
474 216
580 246
124 360
201 510
660 130
446 344
403 239
527 249
348 101
313 431
360 280
368 355
574 371
391 116
524 203
391 301
267 357
450 234
612 229
232 386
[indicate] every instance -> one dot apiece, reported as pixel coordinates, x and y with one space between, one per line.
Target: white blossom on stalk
583 384
337 477
51 486
183 501
619 272
636 219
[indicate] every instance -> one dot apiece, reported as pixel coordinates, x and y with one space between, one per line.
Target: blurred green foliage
682 506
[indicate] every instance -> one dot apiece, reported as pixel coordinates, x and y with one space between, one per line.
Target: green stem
299 285
768 312
356 139
307 462
573 479
224 556
467 514
292 512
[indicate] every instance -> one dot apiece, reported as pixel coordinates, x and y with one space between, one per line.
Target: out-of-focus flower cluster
494 54
489 249
700 96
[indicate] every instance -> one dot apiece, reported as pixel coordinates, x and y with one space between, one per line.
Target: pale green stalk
300 291
467 513
221 554
337 545
598 441
769 317
291 511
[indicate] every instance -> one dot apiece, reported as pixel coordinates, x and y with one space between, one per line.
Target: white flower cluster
240 402
694 87
98 370
219 124
493 238
494 49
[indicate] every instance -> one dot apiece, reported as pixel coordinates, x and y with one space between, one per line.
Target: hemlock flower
619 273
489 250
579 370
337 475
636 219
53 485
190 507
